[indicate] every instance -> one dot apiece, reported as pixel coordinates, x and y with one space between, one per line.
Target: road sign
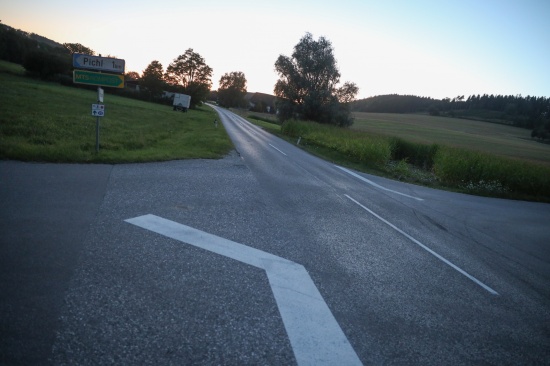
98 110
100 94
97 78
82 61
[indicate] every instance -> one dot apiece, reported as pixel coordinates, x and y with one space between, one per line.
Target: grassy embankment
42 121
462 155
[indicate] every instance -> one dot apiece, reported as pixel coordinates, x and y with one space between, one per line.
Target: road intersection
82 284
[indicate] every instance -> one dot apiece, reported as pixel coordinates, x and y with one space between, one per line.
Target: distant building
132 85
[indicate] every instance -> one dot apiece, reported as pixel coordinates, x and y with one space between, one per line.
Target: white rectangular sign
89 62
98 110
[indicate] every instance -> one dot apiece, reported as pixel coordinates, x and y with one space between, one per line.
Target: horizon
427 49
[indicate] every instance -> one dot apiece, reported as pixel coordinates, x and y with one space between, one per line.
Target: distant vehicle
181 102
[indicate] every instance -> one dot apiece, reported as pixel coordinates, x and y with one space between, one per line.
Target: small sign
100 94
98 110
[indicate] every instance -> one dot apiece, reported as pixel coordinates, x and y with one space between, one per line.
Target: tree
152 79
191 72
232 89
308 84
78 48
132 75
46 64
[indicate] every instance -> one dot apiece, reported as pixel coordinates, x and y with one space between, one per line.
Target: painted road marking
460 270
376 185
314 333
277 149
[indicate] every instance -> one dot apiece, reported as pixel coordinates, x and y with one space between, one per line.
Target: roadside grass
42 121
11 68
435 165
267 123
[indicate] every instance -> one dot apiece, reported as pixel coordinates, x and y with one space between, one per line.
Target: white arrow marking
314 334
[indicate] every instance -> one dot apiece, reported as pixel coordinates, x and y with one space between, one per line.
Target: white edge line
460 270
376 185
277 150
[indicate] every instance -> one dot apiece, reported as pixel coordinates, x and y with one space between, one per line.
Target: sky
428 48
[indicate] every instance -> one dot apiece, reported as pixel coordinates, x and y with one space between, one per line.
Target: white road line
376 185
314 333
277 150
460 270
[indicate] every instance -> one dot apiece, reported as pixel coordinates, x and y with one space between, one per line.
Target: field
42 121
485 137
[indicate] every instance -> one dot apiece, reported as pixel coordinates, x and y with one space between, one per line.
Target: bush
479 172
471 171
420 155
46 65
360 147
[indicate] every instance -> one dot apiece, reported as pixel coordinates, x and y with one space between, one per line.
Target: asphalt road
268 256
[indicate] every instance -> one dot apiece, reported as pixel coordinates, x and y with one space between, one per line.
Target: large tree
308 84
152 79
232 89
191 73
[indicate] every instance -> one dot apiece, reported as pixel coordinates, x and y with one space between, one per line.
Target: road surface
268 256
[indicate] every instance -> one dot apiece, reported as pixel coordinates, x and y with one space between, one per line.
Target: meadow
491 138
43 121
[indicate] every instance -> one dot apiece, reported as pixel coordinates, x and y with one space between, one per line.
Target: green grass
265 123
439 166
41 121
11 68
480 136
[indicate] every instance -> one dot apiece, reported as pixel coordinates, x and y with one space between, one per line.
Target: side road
45 212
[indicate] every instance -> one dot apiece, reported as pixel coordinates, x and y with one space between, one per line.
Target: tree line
46 59
308 85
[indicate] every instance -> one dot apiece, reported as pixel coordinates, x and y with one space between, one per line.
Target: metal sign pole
99 100
97 134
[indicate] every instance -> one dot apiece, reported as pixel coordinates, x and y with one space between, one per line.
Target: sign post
111 74
98 110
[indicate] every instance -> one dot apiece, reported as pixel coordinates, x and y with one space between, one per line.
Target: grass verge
42 121
433 165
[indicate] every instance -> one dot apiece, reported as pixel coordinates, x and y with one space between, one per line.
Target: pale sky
431 48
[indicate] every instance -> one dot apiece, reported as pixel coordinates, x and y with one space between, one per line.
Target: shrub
360 147
478 172
45 65
471 171
420 155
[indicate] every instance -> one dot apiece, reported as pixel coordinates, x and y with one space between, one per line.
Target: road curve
268 256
